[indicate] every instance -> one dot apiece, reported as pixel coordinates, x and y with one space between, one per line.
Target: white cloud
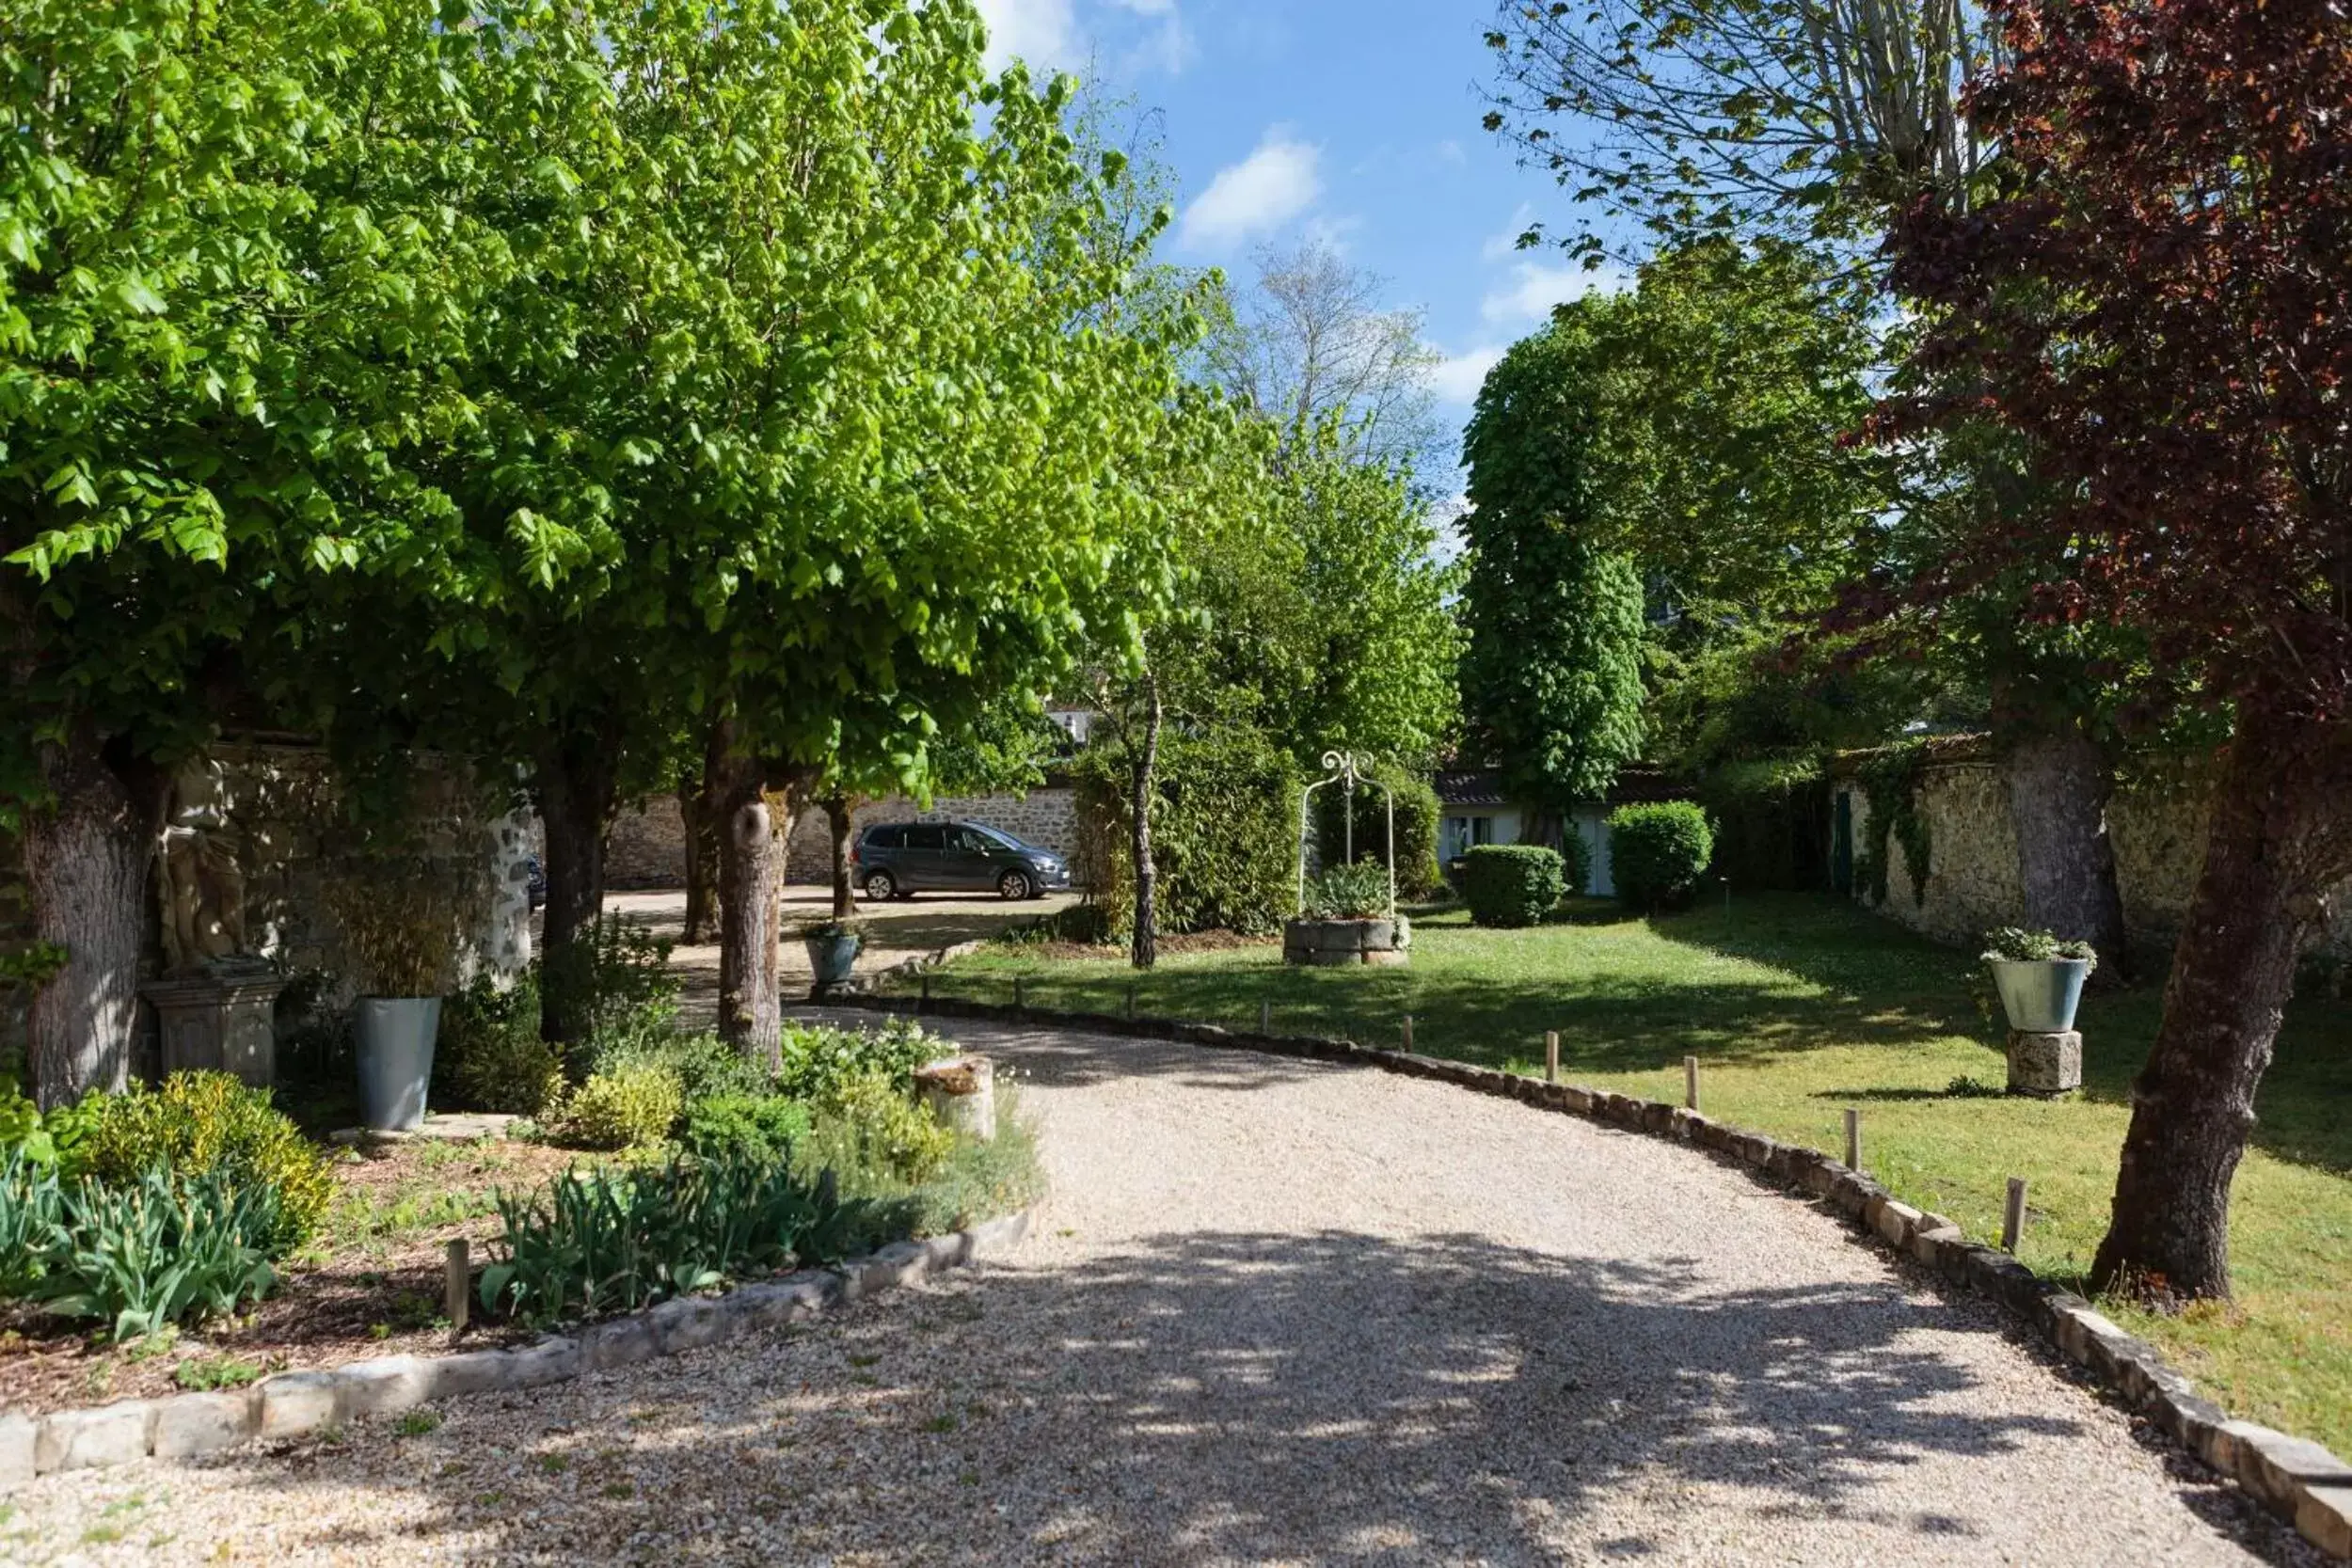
1535 287
1504 243
1257 196
1458 377
1042 32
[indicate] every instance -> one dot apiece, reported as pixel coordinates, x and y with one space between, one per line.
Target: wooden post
1018 998
924 1002
1265 1017
1408 1033
1131 1001
1854 1140
457 1287
1690 1082
2013 1214
1551 1055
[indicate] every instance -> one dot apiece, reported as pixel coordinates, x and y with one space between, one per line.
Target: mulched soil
370 1284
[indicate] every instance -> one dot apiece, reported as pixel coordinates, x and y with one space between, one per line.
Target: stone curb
2299 1481
299 1403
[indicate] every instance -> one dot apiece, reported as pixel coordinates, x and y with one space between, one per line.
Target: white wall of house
1592 826
1462 827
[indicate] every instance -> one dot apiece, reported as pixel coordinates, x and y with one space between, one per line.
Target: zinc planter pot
2040 996
393 1036
832 957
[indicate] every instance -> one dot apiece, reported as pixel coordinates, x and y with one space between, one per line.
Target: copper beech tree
2160 298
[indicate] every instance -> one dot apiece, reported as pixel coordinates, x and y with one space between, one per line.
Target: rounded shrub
763 1129
1659 852
490 1056
630 1106
199 1122
1512 884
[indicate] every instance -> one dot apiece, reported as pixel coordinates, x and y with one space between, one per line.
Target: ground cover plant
1799 1007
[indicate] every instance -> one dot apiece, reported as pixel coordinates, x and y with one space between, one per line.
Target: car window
923 837
973 841
886 838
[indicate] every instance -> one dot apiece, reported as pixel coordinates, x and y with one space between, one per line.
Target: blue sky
1354 119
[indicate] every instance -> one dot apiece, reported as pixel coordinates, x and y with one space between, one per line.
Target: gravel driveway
1273 1311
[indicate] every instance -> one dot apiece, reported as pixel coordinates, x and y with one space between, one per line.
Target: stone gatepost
2045 1065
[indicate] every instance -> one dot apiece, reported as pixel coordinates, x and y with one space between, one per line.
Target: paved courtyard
1273 1311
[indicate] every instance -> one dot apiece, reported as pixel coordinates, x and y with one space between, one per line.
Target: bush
1659 852
764 1129
1417 814
819 1059
629 1105
489 1055
1224 833
608 1241
615 985
144 1255
703 1065
202 1122
31 1208
867 1122
1356 892
1512 884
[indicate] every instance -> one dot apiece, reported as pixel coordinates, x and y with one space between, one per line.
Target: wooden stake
924 1002
1018 998
1265 1017
1854 1140
1131 1001
457 1287
1551 1055
1408 1033
2013 1214
1691 1082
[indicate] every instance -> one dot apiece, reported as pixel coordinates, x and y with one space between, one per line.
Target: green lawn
1798 1008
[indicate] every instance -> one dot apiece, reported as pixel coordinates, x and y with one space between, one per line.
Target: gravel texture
1272 1312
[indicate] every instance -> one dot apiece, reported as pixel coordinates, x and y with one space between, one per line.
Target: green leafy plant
628 1105
818 1059
206 1373
2017 945
615 982
760 1128
148 1254
1890 783
1357 891
703 1065
1512 884
868 1121
205 1122
1224 833
825 930
404 917
32 1205
490 1051
1659 852
1417 816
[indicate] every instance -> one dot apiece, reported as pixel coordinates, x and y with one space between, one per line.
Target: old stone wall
647 847
2155 823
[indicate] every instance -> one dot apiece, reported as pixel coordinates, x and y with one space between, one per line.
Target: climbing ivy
1890 784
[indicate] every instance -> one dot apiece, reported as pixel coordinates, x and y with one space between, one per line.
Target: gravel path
1272 1312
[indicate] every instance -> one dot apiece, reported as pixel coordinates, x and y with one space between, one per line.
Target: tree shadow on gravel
1245 1397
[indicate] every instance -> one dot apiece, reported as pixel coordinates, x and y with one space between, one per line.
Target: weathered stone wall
647 847
2155 822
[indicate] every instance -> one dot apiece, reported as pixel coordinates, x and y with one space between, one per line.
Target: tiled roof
1483 787
1477 786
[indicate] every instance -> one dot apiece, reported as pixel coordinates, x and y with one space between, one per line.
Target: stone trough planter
1325 942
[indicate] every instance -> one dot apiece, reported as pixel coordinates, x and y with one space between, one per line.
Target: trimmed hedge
1659 852
1417 872
1224 833
1512 884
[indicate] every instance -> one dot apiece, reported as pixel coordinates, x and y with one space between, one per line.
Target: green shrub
615 985
703 1065
1418 875
489 1056
1224 833
32 1205
143 1255
868 1122
1512 884
1659 852
761 1127
613 1241
629 1105
2016 944
1356 892
819 1059
202 1122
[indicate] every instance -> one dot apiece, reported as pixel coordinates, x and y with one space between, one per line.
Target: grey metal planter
2040 996
393 1036
833 957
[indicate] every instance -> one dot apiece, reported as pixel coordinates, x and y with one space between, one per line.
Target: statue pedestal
218 1024
2045 1065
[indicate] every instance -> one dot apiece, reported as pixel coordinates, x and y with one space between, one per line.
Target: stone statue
203 886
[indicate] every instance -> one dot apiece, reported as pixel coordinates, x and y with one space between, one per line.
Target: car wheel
1015 884
881 887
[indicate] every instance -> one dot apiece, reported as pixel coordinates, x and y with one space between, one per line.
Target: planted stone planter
1329 943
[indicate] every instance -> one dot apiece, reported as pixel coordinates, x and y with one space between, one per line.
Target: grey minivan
900 858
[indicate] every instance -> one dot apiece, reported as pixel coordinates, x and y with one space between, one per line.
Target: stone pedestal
962 1093
2045 1064
1329 943
218 1023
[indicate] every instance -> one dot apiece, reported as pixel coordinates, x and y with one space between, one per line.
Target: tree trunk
843 870
86 855
701 820
2275 845
578 777
2058 785
1145 949
751 913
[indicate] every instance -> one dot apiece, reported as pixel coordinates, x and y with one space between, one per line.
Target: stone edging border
299 1403
2300 1480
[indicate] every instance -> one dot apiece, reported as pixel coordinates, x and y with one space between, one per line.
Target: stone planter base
2045 1065
1344 942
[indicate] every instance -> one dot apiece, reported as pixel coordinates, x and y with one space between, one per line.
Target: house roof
1477 786
1484 786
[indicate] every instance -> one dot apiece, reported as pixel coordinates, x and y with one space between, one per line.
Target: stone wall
2155 822
647 847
